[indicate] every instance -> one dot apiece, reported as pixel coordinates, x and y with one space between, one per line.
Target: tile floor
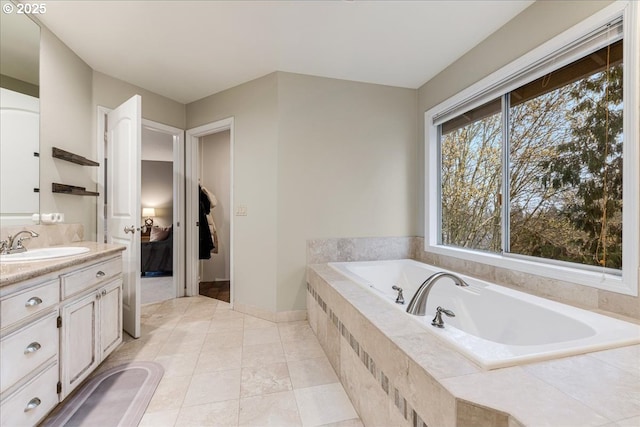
156 289
224 368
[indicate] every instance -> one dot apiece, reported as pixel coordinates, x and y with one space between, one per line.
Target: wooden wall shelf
72 189
59 153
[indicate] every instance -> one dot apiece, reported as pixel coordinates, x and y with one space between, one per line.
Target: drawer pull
33 404
100 274
33 301
32 348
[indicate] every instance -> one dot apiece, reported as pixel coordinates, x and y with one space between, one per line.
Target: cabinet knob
104 292
33 404
100 273
32 348
33 301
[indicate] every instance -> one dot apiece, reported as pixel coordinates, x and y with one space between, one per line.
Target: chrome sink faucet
13 246
418 303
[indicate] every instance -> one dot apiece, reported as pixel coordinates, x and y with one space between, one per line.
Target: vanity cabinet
55 329
29 347
91 321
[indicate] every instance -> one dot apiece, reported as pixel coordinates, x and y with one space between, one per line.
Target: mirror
20 117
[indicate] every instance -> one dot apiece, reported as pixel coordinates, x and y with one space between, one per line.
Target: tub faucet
13 246
437 321
400 297
418 303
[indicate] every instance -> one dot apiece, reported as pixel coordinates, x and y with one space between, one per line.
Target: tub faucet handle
400 297
437 321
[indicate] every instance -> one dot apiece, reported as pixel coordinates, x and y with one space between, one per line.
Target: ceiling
186 50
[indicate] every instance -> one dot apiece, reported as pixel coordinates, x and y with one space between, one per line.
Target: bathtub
494 326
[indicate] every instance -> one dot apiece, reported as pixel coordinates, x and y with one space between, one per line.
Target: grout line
400 402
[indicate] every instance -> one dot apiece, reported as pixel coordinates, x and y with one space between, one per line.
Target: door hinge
59 387
59 322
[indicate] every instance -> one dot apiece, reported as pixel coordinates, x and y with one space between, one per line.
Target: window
530 167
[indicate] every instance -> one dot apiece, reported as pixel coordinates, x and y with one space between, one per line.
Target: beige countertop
12 272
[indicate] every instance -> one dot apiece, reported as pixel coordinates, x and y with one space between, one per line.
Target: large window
531 169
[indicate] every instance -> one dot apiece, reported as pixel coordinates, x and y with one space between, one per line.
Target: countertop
14 272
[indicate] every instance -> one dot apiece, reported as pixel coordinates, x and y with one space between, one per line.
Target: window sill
599 280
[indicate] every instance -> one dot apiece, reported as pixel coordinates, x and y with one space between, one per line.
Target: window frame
480 92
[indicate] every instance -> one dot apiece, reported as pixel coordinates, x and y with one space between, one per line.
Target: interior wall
66 117
110 92
215 176
347 167
156 190
253 105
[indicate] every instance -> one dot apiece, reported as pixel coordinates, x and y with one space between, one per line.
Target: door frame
178 191
191 176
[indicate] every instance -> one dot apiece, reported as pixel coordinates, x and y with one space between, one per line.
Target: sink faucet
13 246
418 303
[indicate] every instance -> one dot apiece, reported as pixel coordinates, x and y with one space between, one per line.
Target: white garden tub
493 325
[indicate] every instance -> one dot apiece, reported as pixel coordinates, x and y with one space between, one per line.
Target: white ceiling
186 50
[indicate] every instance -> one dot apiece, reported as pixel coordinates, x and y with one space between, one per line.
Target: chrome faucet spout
13 245
418 304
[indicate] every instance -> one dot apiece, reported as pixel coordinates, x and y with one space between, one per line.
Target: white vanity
59 319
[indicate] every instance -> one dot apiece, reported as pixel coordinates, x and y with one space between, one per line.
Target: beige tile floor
224 368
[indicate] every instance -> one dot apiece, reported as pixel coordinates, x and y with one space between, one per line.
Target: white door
124 135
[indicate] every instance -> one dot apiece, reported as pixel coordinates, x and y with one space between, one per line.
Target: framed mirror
20 117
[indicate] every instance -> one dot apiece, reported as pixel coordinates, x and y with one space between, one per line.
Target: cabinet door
110 317
79 344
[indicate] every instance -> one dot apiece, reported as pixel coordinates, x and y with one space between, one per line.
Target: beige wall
347 167
69 93
110 92
253 106
314 157
66 122
156 190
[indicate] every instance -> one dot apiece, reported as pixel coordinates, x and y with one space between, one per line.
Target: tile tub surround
569 293
321 251
410 376
359 249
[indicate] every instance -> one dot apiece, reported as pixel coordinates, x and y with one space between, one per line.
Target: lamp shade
148 212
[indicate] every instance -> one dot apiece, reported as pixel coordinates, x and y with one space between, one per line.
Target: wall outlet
241 211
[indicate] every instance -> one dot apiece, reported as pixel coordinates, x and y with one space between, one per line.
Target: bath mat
116 397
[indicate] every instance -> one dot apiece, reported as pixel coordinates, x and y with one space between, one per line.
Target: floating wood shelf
72 189
59 153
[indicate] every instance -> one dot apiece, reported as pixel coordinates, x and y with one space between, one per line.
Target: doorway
215 183
209 166
160 206
151 131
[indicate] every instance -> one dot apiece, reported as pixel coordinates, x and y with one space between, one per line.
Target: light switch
241 211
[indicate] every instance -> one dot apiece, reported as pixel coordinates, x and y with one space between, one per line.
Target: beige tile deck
224 368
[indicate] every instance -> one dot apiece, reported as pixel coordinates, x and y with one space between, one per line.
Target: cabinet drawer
79 280
30 404
26 349
19 306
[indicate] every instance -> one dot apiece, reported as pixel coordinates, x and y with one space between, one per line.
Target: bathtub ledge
417 378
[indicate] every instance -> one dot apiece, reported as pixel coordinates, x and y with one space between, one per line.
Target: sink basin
43 254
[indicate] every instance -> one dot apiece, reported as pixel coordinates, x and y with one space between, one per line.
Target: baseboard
279 316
